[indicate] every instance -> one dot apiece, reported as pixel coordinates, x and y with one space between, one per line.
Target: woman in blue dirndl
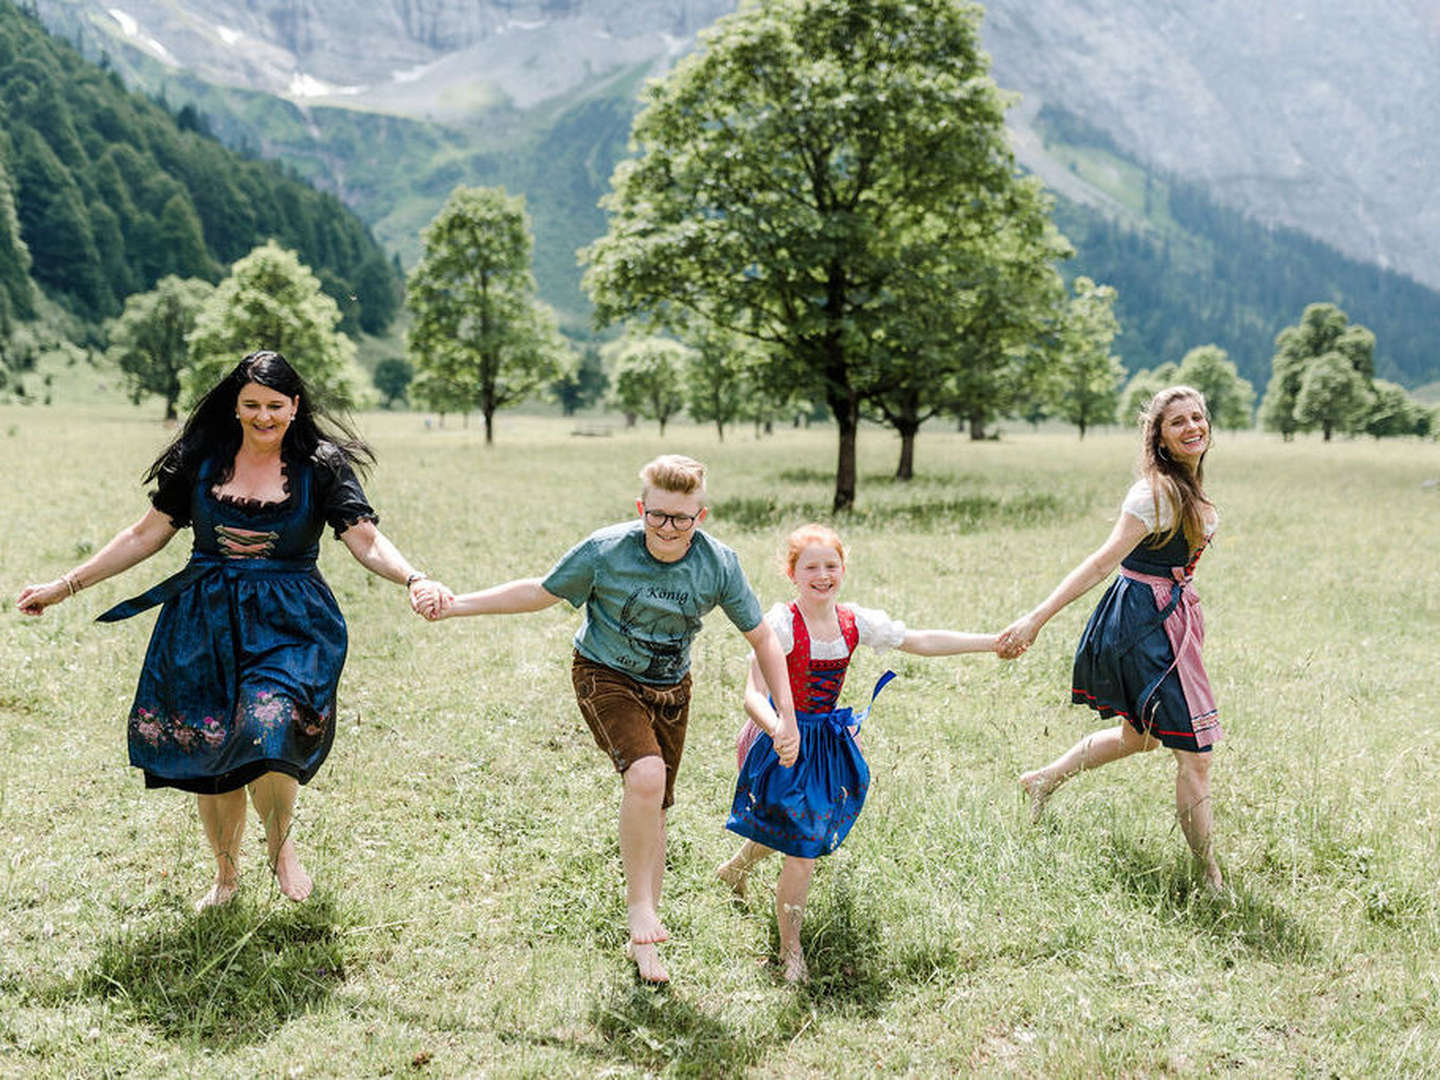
808 809
238 685
1139 658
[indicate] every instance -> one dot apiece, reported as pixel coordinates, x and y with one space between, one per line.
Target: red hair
804 537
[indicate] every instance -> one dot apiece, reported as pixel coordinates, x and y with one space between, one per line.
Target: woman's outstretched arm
1095 568
129 546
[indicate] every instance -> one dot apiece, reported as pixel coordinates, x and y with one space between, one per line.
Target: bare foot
221 892
1038 786
796 970
294 882
1214 881
645 926
734 876
647 962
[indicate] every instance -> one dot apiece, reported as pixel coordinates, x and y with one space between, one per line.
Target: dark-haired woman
238 685
1139 658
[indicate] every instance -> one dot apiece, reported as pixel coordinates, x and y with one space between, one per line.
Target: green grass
469 917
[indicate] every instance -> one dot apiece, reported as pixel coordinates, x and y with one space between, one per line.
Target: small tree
392 378
1143 386
1333 395
1322 329
271 301
715 382
649 377
1086 378
480 338
1230 398
582 382
149 340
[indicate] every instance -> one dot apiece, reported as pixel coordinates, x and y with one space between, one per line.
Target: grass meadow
469 919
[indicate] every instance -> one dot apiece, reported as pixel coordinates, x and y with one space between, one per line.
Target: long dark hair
211 430
1182 490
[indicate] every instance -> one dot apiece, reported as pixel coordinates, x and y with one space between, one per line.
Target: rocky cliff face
1312 113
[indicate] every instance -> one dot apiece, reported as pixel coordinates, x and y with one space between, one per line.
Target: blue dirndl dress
1126 663
240 675
809 808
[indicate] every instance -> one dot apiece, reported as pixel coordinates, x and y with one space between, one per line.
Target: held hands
430 599
1017 637
34 599
787 741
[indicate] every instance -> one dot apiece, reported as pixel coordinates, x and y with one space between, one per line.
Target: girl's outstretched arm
946 642
511 598
1129 530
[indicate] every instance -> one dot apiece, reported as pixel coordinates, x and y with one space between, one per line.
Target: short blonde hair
806 536
676 473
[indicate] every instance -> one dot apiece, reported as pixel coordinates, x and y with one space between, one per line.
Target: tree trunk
906 469
1081 426
170 413
1327 427
662 426
489 427
720 430
977 425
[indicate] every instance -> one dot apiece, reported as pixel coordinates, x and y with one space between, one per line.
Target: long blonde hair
1182 491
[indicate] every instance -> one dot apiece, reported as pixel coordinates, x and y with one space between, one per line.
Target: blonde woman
1140 656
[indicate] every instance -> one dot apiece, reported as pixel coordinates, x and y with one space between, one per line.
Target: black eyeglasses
657 518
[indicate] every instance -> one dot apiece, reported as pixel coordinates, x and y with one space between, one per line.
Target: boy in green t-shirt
645 585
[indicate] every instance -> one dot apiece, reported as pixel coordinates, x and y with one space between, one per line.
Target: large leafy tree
812 165
480 339
1086 377
1230 399
270 300
1323 329
649 377
149 340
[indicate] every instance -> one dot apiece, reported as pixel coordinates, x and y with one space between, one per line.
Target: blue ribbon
202 565
840 720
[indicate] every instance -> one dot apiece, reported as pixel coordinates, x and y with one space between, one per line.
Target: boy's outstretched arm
511 598
947 642
771 662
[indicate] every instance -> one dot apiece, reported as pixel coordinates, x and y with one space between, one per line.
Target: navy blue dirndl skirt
1124 666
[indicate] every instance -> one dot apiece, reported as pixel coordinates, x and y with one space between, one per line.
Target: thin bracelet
70 584
418 575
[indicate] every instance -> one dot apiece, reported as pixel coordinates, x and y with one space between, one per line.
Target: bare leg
1192 804
1090 752
737 868
223 817
642 852
790 894
274 797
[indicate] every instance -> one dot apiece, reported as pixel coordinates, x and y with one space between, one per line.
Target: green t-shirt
641 613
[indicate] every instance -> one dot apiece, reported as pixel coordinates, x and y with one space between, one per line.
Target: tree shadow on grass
228 976
1170 887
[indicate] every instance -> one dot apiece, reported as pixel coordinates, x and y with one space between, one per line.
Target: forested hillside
110 191
1190 272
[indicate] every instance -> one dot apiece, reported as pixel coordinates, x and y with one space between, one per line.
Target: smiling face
1185 431
264 415
671 519
818 573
